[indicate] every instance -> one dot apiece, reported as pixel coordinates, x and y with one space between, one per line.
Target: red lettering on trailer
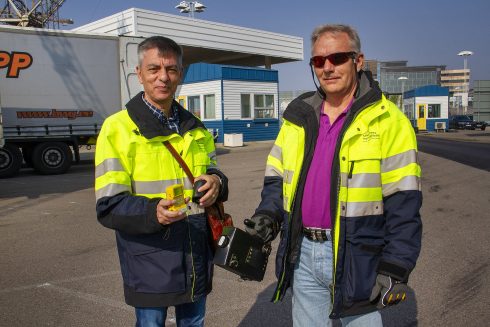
55 113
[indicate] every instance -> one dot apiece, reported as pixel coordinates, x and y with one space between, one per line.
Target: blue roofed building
427 107
233 100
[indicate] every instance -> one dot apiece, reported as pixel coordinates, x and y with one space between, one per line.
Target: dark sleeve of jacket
223 191
403 234
271 203
129 213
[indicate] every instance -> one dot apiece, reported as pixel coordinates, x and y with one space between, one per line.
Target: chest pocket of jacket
150 160
365 157
362 175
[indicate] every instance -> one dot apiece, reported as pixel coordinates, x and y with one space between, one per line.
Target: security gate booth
427 107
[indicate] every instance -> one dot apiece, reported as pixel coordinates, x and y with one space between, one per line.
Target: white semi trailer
56 89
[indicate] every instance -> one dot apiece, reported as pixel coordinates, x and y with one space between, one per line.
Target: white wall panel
233 89
443 100
201 89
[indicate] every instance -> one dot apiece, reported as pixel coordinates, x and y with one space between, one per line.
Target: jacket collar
149 125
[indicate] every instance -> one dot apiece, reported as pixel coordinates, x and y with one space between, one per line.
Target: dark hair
338 28
163 44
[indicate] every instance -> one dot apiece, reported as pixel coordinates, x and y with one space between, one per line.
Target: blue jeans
312 301
187 315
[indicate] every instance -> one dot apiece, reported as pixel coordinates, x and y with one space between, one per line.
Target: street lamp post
190 7
465 54
403 79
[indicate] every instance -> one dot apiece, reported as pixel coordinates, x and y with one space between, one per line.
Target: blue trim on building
252 130
427 91
248 74
202 72
430 123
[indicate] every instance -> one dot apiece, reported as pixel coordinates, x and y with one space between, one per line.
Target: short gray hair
163 44
335 29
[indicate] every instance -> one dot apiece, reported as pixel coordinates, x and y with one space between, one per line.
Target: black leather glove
262 226
388 291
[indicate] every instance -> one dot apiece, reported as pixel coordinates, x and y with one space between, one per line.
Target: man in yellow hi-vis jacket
165 255
342 184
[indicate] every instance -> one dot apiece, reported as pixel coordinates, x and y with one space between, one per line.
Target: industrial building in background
388 74
35 13
57 87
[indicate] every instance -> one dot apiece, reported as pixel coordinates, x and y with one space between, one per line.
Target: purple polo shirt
316 196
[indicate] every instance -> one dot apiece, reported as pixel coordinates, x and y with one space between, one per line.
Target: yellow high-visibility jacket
160 265
375 188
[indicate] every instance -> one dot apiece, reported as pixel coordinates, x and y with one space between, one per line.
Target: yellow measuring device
176 192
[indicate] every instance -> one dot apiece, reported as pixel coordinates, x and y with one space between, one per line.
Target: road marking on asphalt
67 280
88 297
54 285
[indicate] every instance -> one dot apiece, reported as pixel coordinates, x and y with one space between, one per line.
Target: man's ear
138 73
359 61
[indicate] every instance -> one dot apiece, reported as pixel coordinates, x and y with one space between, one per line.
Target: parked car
465 122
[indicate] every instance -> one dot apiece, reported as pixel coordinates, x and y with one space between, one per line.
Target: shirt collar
322 113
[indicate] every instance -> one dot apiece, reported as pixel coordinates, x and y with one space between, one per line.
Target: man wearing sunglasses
342 184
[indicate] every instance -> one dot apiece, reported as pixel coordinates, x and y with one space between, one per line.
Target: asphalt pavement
59 267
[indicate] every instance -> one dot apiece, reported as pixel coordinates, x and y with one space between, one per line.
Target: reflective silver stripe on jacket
110 164
212 155
156 187
358 209
365 180
407 183
398 161
288 176
276 152
111 190
272 171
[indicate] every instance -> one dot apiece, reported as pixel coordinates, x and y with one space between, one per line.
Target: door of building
422 116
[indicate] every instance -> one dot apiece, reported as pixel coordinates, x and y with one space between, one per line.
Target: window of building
263 106
434 110
194 105
245 104
209 106
408 110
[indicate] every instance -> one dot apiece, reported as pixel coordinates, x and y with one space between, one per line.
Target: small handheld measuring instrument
176 192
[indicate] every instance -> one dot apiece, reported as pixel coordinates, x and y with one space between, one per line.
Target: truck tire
52 158
10 160
483 128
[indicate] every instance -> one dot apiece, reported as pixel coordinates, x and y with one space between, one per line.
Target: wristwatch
220 181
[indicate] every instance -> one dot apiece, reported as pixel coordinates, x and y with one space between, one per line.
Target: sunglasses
335 59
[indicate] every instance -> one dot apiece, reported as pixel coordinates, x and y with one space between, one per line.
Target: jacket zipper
337 153
193 277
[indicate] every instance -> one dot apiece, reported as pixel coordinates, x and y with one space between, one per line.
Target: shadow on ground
266 313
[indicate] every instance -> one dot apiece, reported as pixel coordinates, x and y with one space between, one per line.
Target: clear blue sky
424 32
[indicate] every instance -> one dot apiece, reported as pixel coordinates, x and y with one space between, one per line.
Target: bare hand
165 216
212 187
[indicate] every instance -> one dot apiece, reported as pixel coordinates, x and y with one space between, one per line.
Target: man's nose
163 75
328 66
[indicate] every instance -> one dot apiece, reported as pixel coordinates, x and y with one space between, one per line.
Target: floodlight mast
465 54
190 7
